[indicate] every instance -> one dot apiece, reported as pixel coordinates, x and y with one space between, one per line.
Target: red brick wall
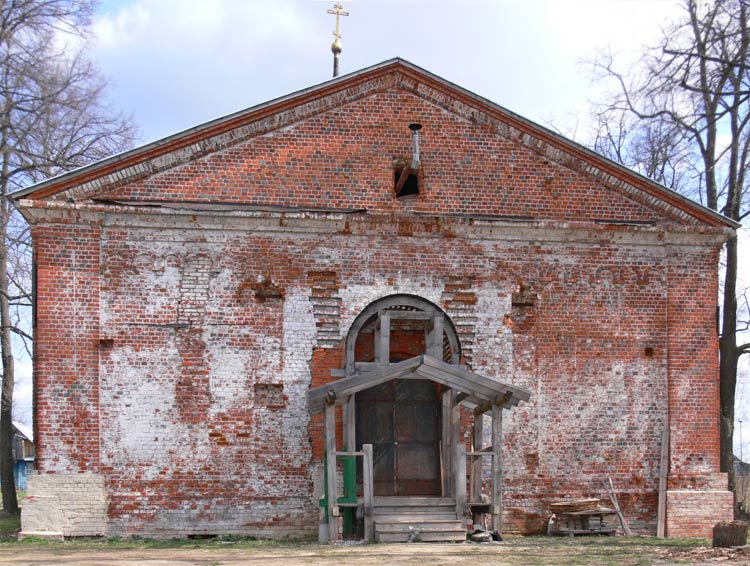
693 359
174 350
66 348
345 159
692 514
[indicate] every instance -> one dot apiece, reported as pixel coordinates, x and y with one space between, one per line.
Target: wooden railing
333 505
494 452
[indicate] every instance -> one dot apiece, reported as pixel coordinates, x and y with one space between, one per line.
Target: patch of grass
9 526
224 541
602 551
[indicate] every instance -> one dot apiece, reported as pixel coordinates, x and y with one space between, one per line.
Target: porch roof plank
473 388
342 388
459 371
462 386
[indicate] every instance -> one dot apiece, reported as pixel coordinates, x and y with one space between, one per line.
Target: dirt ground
516 551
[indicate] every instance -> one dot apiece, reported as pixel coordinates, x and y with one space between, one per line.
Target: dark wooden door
401 419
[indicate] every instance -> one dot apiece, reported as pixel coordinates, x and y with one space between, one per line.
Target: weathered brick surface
693 514
66 393
458 158
65 504
175 347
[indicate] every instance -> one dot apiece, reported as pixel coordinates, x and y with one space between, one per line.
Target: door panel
401 419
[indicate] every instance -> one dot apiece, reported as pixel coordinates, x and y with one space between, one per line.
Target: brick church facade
190 294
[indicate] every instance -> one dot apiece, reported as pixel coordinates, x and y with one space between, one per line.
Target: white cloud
177 63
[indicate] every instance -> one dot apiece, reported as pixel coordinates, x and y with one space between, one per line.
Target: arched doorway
387 330
401 418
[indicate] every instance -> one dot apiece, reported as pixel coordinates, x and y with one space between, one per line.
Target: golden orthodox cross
337 11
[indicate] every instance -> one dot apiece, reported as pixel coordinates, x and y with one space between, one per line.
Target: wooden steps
417 519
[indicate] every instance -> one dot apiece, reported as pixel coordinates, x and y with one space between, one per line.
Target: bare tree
52 118
683 118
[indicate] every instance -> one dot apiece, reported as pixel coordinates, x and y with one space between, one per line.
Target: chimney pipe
415 137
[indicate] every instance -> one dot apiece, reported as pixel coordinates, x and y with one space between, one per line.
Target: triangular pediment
336 147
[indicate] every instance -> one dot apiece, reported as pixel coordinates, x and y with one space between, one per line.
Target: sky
174 64
178 63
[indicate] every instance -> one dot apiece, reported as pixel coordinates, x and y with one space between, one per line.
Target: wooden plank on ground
610 488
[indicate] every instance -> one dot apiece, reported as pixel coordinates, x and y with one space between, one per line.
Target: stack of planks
581 517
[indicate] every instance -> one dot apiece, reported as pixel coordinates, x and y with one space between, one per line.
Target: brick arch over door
396 304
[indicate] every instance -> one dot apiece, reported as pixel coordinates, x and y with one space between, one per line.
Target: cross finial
336 45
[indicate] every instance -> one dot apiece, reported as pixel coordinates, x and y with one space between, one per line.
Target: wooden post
333 510
434 346
459 457
383 339
368 492
455 421
350 423
477 463
661 519
447 455
497 469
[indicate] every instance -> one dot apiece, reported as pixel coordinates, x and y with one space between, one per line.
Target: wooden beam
497 470
499 402
350 423
461 397
376 344
367 366
455 421
405 172
459 384
410 315
479 390
465 381
434 347
333 511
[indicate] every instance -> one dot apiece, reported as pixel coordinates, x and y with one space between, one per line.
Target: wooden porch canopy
473 389
463 387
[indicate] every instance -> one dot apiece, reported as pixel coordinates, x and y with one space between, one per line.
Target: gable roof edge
185 138
582 152
192 135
